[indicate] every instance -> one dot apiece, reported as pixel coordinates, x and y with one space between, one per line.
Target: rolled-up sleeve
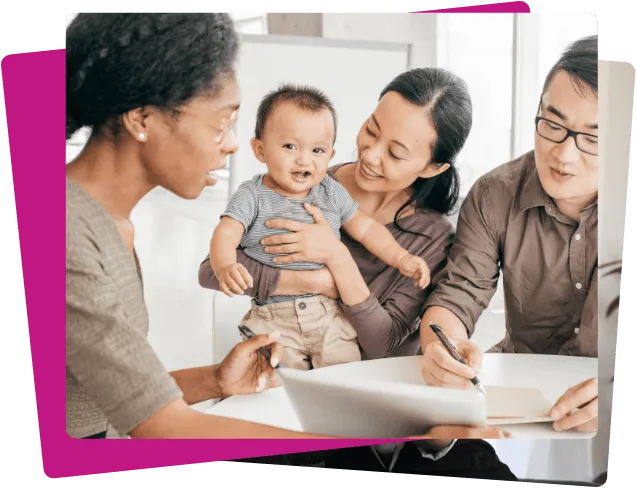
110 358
468 281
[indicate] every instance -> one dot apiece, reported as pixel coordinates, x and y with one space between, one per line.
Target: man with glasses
534 220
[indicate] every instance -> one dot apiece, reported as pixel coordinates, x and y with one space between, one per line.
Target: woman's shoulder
331 170
429 223
430 219
87 222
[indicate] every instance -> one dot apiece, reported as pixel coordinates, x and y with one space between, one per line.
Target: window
541 39
251 23
504 59
479 48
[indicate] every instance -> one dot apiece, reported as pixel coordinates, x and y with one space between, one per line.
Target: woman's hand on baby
314 243
234 280
415 267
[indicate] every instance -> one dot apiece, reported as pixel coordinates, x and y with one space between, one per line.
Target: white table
552 375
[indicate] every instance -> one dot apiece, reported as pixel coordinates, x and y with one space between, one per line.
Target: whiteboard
351 73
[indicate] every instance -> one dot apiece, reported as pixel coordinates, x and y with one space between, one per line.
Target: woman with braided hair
159 94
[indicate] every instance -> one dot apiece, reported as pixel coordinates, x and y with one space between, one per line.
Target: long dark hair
448 103
119 62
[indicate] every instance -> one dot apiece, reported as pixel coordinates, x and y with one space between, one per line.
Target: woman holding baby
404 178
168 124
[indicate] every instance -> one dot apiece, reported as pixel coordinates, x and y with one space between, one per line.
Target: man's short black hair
580 62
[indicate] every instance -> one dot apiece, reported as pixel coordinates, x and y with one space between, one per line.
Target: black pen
451 349
247 334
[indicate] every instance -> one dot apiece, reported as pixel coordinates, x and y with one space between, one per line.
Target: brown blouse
387 323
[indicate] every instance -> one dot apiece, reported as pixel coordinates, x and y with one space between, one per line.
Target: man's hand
577 408
440 369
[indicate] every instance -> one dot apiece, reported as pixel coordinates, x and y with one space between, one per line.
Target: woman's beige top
112 373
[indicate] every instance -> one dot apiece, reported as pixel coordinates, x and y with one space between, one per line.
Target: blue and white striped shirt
253 204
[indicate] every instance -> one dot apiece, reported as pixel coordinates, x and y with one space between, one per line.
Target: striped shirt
253 204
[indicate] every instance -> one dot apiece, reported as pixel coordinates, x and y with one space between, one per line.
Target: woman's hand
314 243
441 436
245 369
577 408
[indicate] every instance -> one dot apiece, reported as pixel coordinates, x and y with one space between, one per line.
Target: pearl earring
142 136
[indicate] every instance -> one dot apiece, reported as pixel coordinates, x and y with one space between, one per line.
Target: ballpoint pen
451 349
246 333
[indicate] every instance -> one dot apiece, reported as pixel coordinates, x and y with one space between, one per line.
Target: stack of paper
342 406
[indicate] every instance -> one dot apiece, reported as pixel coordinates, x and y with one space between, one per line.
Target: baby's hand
234 279
415 267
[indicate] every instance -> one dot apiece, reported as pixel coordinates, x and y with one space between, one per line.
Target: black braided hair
118 62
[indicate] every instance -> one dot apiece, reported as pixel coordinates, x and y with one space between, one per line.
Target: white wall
417 29
348 73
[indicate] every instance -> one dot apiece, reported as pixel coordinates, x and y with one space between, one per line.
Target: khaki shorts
314 331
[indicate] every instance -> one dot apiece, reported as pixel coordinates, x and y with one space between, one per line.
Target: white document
380 409
509 405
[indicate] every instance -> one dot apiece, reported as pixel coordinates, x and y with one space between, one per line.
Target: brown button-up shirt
549 263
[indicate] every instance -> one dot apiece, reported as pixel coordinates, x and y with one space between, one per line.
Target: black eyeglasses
554 132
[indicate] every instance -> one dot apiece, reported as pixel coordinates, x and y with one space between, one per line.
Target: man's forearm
198 384
446 320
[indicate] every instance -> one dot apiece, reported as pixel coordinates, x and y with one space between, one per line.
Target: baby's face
297 146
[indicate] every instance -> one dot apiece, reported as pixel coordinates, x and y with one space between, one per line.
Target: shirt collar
533 194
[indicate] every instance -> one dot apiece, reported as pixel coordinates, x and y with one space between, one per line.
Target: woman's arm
197 384
382 328
178 421
269 281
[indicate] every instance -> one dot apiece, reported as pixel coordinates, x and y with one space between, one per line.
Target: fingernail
261 384
275 361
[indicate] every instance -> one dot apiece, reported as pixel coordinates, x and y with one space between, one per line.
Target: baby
294 137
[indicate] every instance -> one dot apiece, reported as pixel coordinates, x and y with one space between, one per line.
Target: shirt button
578 286
577 330
578 237
302 305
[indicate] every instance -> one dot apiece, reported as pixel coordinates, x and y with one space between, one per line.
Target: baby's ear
333 153
257 149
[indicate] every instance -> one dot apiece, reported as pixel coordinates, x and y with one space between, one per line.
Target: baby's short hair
304 97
